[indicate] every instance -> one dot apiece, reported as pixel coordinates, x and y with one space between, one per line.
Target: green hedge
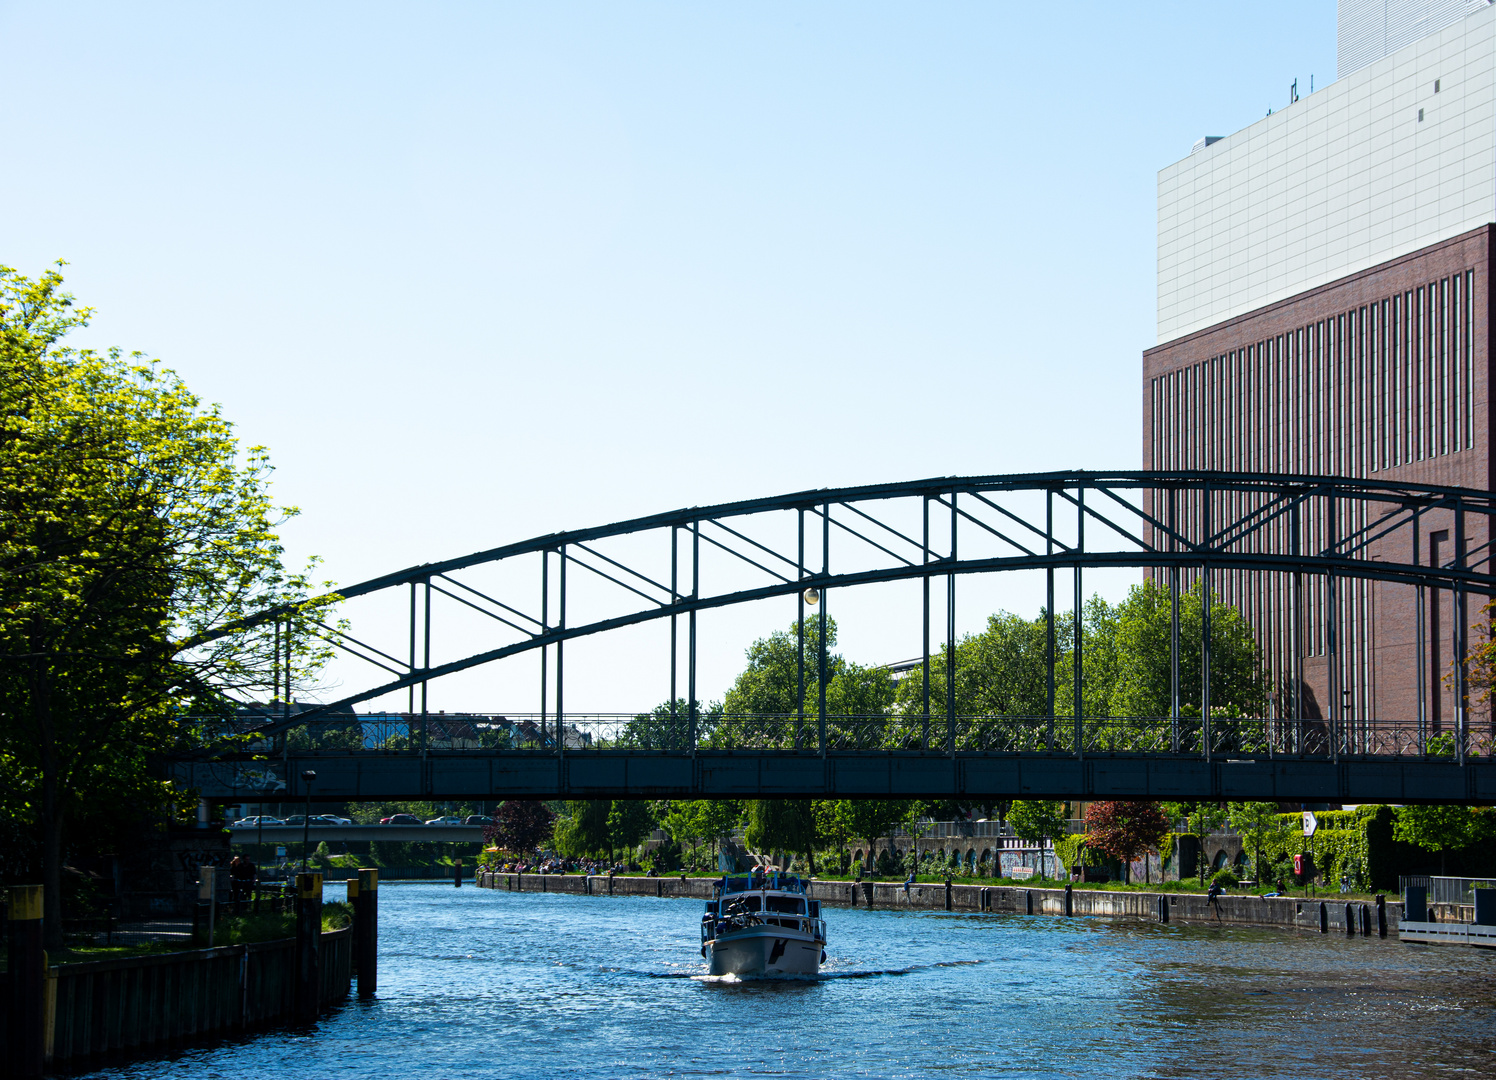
1356 842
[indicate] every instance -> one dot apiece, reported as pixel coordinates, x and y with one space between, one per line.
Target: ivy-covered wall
1357 843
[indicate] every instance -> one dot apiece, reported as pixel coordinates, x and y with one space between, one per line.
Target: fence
139 1003
1446 890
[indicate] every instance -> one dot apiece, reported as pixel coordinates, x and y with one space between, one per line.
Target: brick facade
1383 375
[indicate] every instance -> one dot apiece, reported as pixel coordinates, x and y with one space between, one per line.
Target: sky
481 272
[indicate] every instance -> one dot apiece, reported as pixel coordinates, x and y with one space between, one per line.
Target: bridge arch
1178 526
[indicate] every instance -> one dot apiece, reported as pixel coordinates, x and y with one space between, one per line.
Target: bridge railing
711 729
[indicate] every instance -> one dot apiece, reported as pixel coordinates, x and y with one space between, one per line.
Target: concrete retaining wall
1250 910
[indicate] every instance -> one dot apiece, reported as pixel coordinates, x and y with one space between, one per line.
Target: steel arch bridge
534 597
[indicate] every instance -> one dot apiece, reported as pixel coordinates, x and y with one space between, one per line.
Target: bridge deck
600 774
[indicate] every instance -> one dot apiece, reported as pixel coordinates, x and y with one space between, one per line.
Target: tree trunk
51 870
51 810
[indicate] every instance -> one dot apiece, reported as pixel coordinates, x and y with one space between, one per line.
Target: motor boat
762 923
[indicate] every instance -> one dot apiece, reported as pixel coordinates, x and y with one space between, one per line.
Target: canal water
475 983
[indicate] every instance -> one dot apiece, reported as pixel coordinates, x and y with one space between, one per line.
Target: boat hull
764 952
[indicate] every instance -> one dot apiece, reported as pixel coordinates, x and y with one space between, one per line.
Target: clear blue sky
480 272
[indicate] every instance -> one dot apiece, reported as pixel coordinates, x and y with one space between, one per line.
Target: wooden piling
308 939
1069 899
28 982
364 892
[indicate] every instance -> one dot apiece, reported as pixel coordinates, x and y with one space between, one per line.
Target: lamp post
306 820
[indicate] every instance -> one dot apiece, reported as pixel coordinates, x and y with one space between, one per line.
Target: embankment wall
1290 912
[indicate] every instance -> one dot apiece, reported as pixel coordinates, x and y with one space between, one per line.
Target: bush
1225 877
336 914
887 865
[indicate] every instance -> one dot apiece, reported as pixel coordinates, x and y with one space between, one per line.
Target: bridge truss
537 596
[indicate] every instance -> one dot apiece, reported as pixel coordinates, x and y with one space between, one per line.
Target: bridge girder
944 529
979 777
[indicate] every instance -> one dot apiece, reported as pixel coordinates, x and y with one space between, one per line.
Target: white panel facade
1368 30
1342 180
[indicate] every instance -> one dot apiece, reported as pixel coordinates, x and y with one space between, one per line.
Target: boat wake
824 976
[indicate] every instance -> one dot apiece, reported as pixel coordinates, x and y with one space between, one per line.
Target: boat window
788 904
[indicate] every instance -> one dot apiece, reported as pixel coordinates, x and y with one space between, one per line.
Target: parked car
445 821
477 819
330 819
297 820
255 822
400 819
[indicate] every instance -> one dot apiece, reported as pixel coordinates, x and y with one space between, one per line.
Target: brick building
1324 307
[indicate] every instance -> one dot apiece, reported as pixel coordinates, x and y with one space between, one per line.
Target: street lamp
306 820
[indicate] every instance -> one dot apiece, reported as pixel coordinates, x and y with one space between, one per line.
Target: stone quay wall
1323 915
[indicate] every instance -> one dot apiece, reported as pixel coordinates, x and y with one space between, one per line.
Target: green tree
1239 683
870 819
832 831
1002 681
782 825
1260 824
133 525
1036 820
582 829
763 705
664 728
1440 828
630 821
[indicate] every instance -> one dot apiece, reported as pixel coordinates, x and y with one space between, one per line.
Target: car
477 819
331 819
400 819
298 820
445 821
255 822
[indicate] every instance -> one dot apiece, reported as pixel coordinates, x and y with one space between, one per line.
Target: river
476 983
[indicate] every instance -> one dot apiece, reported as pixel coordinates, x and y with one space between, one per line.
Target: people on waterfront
1213 897
242 874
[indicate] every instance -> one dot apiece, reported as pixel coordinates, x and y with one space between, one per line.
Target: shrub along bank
1361 844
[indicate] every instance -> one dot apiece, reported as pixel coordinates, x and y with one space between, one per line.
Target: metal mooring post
27 981
308 941
363 890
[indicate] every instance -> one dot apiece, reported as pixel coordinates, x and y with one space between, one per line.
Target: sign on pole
1310 823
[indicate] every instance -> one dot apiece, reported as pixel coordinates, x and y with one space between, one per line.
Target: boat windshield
736 883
